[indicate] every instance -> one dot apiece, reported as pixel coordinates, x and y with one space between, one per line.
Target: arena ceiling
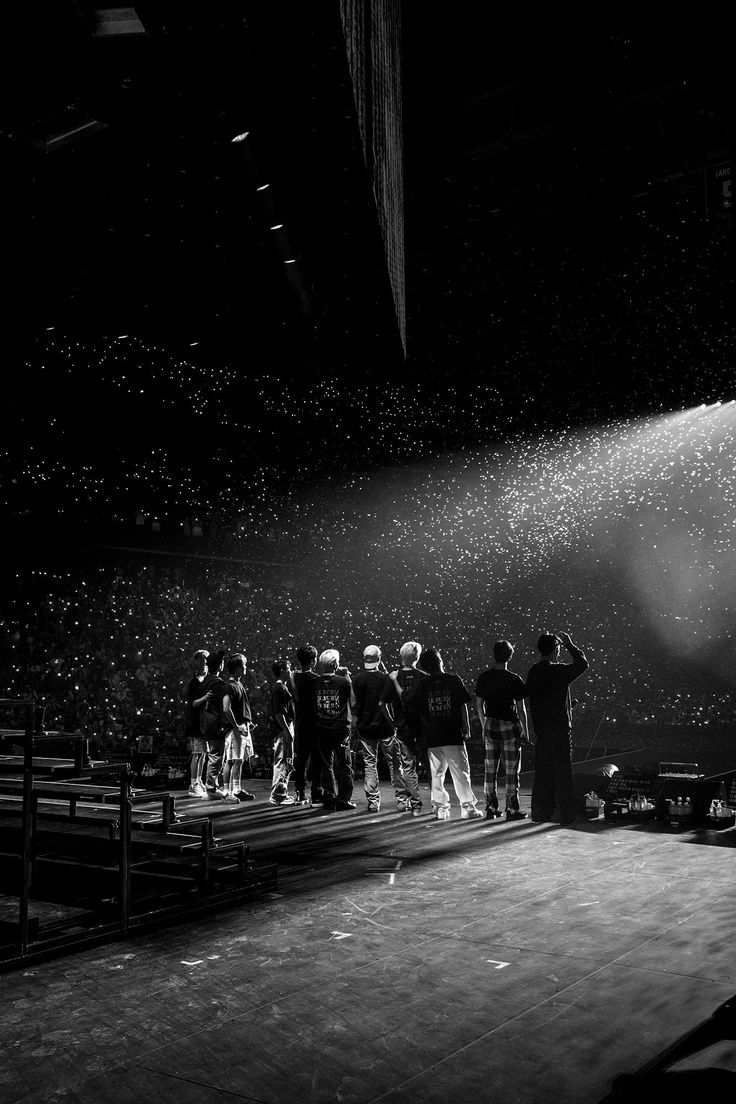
530 152
190 173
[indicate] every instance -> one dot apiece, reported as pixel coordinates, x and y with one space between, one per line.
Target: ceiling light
111 22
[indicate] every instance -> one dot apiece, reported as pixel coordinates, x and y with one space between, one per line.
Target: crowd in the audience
108 653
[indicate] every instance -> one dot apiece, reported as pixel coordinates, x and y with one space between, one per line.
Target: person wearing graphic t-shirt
442 703
398 708
374 730
499 700
331 703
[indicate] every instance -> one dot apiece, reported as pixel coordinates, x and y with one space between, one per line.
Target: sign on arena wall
718 199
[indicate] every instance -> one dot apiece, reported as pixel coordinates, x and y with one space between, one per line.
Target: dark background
563 261
419 387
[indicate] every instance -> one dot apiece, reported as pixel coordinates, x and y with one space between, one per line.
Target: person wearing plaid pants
499 695
503 741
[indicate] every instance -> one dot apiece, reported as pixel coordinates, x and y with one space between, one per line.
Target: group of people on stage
415 711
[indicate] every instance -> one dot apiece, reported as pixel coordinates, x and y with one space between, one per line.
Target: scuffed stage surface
402 960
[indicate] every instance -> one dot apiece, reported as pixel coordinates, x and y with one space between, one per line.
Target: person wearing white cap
374 730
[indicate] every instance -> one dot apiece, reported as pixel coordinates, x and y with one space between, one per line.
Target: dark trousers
553 777
307 764
337 767
213 776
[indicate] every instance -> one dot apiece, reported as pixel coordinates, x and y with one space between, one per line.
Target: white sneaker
230 797
443 813
469 812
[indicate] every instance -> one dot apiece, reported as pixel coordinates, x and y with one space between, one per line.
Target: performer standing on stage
397 706
548 688
442 703
196 700
211 723
307 763
332 693
282 732
499 701
374 730
238 722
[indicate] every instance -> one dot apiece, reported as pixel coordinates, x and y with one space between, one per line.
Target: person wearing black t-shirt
211 723
499 700
282 733
374 730
442 703
238 722
332 716
196 701
307 763
548 690
397 706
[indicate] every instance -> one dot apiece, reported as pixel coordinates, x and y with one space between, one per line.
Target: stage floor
403 959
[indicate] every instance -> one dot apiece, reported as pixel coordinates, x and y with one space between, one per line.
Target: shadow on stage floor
402 959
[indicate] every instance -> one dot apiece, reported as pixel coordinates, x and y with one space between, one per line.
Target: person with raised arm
550 705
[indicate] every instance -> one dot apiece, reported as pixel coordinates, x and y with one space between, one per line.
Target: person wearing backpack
398 707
